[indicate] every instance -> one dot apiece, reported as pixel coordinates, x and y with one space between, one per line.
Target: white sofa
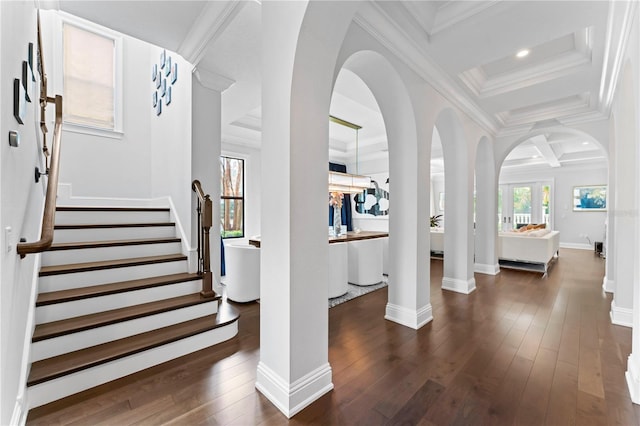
437 240
530 250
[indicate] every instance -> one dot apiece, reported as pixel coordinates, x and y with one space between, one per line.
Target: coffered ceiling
465 49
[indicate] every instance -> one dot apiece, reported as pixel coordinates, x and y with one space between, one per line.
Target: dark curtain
346 204
222 267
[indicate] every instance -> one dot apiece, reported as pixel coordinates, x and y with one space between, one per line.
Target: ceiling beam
540 142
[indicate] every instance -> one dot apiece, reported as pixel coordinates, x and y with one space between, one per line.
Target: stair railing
204 211
48 218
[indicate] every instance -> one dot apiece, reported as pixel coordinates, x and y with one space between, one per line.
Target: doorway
520 204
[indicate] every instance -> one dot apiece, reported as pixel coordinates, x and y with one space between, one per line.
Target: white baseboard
291 398
621 316
633 378
578 246
486 269
608 285
459 286
413 318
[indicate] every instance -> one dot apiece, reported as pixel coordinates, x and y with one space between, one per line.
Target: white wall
21 206
570 224
152 156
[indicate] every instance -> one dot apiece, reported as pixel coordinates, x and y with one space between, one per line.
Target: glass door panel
521 212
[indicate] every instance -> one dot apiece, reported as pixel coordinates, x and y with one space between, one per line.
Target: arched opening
437 200
543 176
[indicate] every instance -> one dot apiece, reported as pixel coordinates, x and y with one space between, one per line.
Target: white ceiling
465 48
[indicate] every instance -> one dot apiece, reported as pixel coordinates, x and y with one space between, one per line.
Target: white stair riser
60 311
52 390
63 257
104 234
84 279
84 339
95 217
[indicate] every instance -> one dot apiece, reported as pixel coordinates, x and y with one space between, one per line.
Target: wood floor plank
520 350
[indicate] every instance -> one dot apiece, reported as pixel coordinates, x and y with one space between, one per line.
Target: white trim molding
633 378
291 398
577 246
211 80
486 269
621 316
609 286
412 318
459 286
210 24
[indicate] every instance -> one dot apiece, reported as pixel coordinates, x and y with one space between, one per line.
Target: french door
520 204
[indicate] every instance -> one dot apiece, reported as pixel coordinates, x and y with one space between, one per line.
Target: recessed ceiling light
585 143
522 53
536 156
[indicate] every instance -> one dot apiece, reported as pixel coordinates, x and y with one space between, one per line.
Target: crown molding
376 22
211 80
619 25
561 108
453 12
210 24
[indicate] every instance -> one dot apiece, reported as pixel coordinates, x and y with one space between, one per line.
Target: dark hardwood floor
520 350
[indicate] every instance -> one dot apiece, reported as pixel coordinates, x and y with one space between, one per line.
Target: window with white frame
90 68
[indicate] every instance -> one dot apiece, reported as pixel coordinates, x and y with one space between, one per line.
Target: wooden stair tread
111 243
109 264
113 225
109 209
112 288
51 368
87 322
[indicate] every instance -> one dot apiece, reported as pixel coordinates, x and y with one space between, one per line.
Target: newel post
207 223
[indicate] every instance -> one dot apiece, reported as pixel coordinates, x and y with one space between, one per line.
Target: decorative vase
337 220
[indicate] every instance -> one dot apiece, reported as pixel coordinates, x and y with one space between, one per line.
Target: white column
297 73
205 154
458 236
486 256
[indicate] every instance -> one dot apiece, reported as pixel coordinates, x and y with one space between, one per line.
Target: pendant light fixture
348 183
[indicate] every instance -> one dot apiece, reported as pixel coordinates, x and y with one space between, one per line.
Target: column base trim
621 316
459 286
608 285
291 398
409 317
633 379
486 269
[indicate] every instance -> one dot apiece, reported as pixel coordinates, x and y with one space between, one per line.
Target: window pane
521 205
231 218
232 199
232 177
89 78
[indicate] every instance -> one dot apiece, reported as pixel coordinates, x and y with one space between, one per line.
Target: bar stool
338 269
365 262
243 272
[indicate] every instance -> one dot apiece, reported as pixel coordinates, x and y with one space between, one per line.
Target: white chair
338 269
365 262
242 272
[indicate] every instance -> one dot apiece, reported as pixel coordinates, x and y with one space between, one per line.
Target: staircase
116 297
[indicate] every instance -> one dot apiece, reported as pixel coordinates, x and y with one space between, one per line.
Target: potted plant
435 220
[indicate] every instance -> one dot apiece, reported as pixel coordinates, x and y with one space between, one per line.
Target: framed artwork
158 79
590 198
155 98
163 87
167 98
163 57
154 72
159 107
